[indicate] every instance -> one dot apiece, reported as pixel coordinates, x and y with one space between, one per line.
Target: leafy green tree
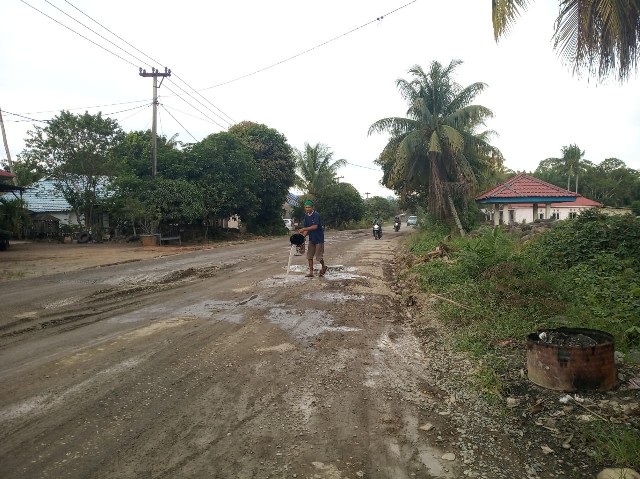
341 204
28 169
14 216
614 184
134 150
434 146
316 168
570 163
225 171
78 153
599 36
383 207
276 165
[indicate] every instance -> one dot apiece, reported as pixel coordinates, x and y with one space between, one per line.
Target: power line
211 119
86 107
165 109
93 31
128 109
80 34
360 166
377 19
26 117
199 102
150 58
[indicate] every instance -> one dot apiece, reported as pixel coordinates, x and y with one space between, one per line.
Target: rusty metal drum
571 359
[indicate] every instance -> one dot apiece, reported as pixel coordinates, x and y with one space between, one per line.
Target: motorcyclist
396 223
377 221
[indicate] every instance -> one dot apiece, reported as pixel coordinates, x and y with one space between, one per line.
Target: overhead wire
165 109
26 118
150 58
80 34
199 111
93 31
118 56
128 53
377 19
361 166
88 107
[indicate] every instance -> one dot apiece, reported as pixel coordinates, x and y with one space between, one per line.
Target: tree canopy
316 168
437 150
596 36
77 152
274 159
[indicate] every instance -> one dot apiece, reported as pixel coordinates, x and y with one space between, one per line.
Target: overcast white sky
331 94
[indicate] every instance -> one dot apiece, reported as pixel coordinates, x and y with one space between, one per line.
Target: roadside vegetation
493 289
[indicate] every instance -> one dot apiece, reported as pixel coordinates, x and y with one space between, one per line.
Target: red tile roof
6 174
525 186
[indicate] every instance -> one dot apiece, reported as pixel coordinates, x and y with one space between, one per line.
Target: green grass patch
613 444
495 290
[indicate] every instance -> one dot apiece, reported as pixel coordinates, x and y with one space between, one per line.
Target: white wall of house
525 214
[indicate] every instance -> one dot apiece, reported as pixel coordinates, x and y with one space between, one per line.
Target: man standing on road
312 227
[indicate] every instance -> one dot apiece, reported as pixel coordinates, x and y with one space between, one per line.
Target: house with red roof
524 199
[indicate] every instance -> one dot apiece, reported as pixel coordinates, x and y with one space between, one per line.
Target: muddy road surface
223 364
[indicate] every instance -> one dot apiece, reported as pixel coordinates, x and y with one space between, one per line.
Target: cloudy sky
318 72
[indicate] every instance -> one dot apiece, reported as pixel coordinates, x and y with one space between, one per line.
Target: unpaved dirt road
221 364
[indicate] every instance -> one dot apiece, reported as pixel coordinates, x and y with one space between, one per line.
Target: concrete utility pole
6 148
367 193
155 73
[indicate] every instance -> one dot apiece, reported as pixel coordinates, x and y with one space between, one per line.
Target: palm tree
599 36
569 163
572 155
316 168
435 149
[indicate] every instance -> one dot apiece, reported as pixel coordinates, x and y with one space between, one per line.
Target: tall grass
581 273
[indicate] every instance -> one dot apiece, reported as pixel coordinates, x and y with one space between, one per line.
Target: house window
572 215
555 215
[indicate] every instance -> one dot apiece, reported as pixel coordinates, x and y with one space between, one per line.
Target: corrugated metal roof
525 186
43 197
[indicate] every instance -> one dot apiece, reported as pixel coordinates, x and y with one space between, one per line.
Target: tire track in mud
101 304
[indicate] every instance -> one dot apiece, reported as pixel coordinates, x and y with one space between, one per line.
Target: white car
288 223
412 221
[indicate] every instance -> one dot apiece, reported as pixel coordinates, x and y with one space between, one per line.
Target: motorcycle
377 230
396 226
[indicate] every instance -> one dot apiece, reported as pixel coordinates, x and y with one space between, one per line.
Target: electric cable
194 138
149 57
93 31
22 116
377 19
211 119
80 34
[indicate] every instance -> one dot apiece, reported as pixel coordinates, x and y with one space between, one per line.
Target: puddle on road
205 309
334 297
334 273
305 324
280 348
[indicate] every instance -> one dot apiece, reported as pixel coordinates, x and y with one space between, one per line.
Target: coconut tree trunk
454 213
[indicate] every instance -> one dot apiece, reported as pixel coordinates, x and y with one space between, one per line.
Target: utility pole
6 148
367 193
155 73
